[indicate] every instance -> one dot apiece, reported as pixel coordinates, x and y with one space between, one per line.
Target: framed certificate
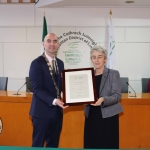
79 86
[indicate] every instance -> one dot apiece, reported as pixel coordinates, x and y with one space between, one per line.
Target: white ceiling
91 3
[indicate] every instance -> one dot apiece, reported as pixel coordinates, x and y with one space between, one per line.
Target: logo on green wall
74 46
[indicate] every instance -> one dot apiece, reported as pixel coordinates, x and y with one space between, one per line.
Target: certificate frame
79 86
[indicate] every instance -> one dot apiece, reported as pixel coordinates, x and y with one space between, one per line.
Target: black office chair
145 85
3 83
28 85
124 86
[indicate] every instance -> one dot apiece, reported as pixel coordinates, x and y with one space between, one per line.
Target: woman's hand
98 102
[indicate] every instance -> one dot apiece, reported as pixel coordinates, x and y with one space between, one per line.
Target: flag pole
44 12
44 31
110 13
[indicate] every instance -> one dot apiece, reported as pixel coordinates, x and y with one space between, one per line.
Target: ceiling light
129 2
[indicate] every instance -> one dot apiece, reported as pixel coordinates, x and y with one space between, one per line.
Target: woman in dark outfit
101 130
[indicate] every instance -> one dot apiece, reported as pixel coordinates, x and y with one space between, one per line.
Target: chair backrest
124 86
145 85
28 85
3 83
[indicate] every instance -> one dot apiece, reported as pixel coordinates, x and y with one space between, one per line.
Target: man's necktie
54 67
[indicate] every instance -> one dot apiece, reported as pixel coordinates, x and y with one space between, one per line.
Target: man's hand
98 102
61 104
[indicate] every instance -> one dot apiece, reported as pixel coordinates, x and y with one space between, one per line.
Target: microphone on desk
131 88
19 89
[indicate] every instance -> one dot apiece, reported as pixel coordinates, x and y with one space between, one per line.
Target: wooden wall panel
135 126
73 125
17 126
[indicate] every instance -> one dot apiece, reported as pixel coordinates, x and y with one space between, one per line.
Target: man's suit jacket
110 90
44 91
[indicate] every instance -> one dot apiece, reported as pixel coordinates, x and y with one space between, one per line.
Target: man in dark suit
46 107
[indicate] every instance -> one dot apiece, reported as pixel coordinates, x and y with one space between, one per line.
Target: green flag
44 33
44 29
